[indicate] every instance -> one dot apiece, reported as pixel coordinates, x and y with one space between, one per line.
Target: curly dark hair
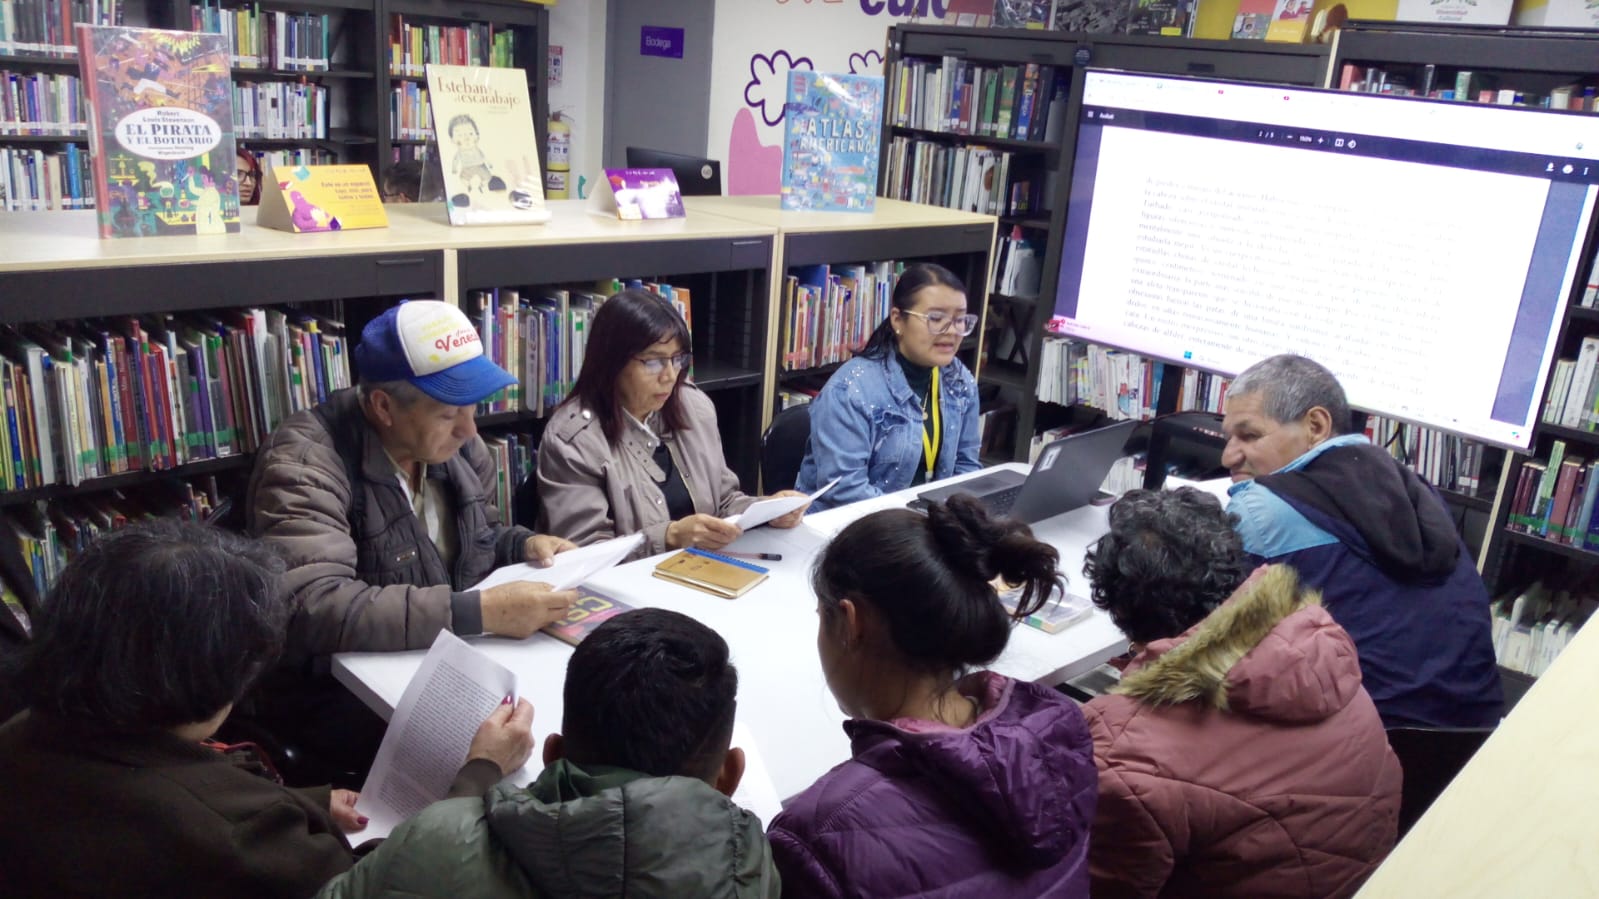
1170 559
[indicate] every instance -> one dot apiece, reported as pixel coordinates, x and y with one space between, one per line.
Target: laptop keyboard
1000 503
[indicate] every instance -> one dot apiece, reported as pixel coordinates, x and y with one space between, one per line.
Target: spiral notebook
713 573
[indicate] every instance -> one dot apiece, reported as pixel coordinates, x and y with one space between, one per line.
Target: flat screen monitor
696 176
1422 250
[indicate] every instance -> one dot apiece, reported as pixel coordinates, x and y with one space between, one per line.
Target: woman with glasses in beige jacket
635 448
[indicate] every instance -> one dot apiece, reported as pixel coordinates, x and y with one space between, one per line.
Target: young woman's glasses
941 322
656 364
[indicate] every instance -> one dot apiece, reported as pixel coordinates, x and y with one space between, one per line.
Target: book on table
711 572
591 610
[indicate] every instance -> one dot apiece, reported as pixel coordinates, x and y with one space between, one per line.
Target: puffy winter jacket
1243 758
998 809
603 832
1382 549
377 584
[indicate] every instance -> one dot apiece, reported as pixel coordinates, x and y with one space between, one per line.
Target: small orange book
713 573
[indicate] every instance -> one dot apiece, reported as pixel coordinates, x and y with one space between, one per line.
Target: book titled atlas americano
160 130
832 129
488 151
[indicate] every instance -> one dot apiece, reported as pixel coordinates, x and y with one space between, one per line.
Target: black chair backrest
1430 757
525 502
783 448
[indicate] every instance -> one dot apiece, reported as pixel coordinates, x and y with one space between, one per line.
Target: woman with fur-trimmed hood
1240 755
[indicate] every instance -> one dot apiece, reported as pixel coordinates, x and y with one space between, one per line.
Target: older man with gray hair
1370 535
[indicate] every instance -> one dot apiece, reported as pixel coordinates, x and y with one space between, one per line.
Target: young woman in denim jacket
904 410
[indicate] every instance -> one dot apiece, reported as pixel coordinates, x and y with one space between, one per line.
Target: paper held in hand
570 568
455 688
763 510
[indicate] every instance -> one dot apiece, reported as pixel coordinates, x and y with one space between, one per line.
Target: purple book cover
645 193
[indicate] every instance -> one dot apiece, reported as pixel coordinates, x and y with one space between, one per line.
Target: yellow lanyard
930 446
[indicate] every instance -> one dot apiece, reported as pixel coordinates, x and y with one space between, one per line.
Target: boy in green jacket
633 800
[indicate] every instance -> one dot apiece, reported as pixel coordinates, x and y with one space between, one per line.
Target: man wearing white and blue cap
379 500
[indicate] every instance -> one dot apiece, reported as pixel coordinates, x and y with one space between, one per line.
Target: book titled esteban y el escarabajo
831 132
160 131
488 150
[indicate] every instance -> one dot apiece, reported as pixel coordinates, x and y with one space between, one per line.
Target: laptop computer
1066 476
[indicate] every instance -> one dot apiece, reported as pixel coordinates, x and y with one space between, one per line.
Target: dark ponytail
929 578
912 280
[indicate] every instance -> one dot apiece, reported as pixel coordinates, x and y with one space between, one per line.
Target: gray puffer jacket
379 584
571 833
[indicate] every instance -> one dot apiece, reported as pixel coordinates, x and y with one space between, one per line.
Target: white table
783 699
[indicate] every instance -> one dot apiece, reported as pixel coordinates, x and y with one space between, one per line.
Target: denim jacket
866 430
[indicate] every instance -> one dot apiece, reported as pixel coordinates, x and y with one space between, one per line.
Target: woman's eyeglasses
656 364
941 322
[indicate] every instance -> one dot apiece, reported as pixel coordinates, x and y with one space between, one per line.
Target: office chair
1430 757
783 448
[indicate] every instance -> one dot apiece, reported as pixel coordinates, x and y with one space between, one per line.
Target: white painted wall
757 42
578 28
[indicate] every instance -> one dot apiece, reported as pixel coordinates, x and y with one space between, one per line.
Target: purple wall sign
654 41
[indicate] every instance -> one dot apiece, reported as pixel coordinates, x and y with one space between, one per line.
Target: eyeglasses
656 364
940 322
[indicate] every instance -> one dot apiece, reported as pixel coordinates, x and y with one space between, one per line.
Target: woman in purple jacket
971 786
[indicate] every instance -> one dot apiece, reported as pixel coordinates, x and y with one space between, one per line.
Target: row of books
1554 499
514 457
1530 628
1573 397
1123 385
151 392
278 110
1464 85
45 27
50 534
410 114
41 103
542 339
1026 102
828 312
34 180
1444 460
976 179
270 159
268 39
412 45
1590 291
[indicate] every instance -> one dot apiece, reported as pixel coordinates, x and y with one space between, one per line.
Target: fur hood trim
1196 665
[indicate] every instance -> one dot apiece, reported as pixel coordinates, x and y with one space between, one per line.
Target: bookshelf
894 230
1517 66
289 53
1014 328
43 126
339 68
1402 58
353 275
440 31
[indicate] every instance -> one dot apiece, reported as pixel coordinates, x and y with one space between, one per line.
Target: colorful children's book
831 134
637 194
1171 18
160 131
592 609
483 121
303 198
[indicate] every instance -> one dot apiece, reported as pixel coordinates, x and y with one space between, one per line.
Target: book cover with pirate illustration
161 131
488 150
